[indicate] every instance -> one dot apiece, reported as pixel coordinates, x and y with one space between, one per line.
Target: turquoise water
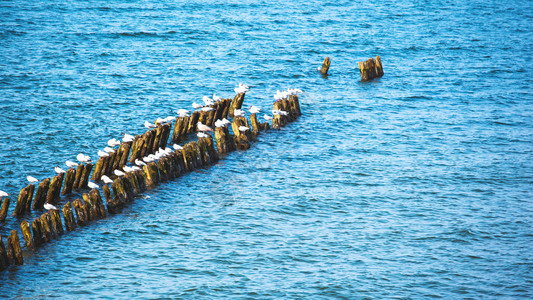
414 186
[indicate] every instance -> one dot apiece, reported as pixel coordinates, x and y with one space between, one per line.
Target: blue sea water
417 185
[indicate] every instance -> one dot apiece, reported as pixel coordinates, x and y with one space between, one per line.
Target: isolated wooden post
26 234
5 207
13 248
325 66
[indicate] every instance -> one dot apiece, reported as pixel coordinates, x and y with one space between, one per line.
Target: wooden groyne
139 163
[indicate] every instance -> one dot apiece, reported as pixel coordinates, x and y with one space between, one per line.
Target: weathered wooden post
37 232
136 148
256 127
80 212
371 69
56 221
55 187
69 181
40 195
220 137
13 248
5 207
119 193
325 66
85 176
178 129
88 208
20 207
4 261
68 215
97 173
126 147
78 177
213 154
31 190
236 103
193 120
151 175
26 234
45 227
204 154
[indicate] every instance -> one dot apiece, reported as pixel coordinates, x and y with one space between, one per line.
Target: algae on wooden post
69 181
4 261
325 66
68 215
56 221
26 234
5 207
20 207
13 248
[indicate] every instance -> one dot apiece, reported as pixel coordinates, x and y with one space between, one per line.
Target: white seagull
49 206
207 108
83 158
254 109
113 142
238 113
202 127
128 138
196 105
59 170
71 164
243 128
183 113
106 179
109 150
201 135
216 98
118 173
3 194
149 125
267 117
219 123
32 179
139 162
102 153
92 185
208 101
177 147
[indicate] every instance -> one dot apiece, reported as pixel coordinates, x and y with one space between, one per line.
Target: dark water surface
414 186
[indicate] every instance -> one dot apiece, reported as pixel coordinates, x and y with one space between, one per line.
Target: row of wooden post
81 212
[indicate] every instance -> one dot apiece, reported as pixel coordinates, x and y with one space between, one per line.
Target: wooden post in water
31 190
151 174
56 221
236 103
126 147
68 215
20 207
88 208
325 66
4 261
5 207
45 227
256 127
26 234
78 177
204 154
213 154
69 181
177 134
136 148
371 69
85 176
80 212
55 187
193 120
37 232
97 173
40 195
242 139
13 248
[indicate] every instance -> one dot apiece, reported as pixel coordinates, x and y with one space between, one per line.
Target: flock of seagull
202 128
